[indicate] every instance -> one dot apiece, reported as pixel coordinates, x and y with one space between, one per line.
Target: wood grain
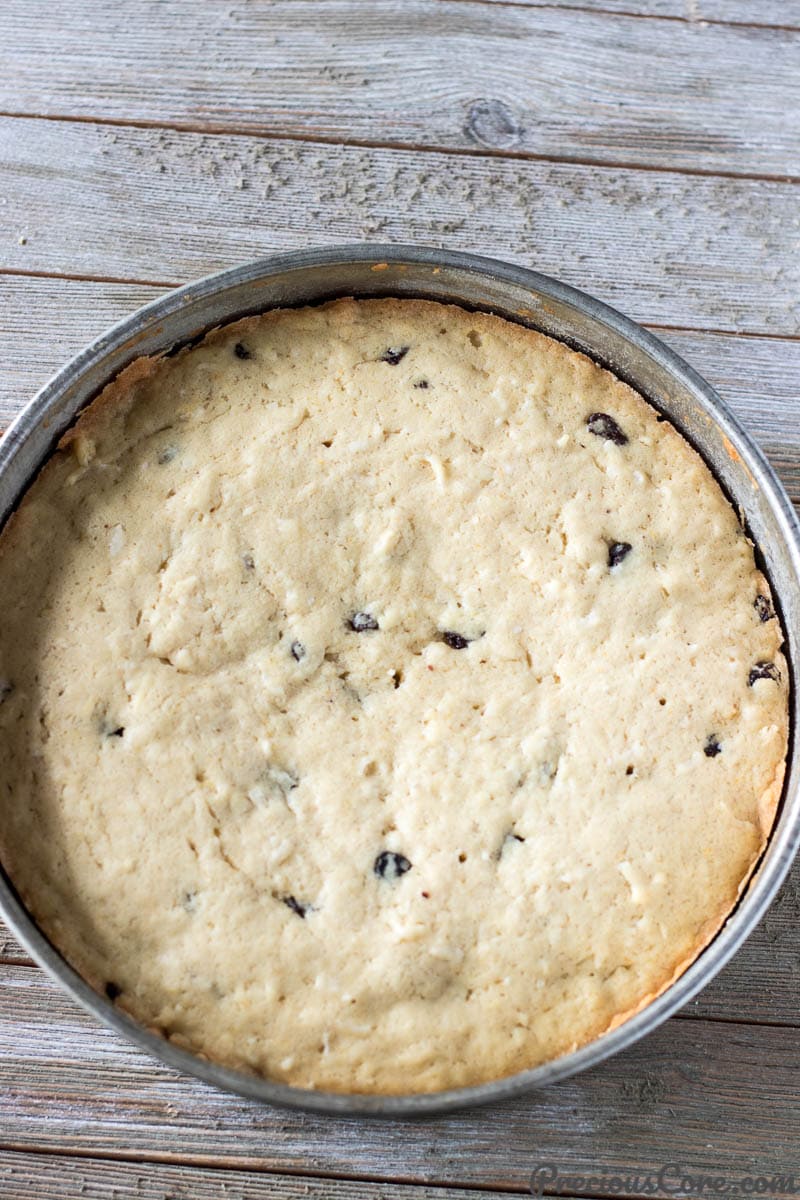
65 1082
546 81
10 949
163 206
58 1177
44 322
783 14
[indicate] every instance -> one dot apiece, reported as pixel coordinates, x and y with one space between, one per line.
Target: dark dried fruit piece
456 641
241 351
617 551
604 426
118 732
6 688
389 865
297 651
113 990
295 906
763 607
763 670
362 622
393 354
422 383
712 747
249 562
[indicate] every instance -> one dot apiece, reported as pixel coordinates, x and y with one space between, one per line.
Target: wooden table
645 150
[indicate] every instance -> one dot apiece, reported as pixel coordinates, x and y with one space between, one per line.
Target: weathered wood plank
157 205
59 1177
677 94
44 322
66 1082
639 8
785 14
782 13
10 949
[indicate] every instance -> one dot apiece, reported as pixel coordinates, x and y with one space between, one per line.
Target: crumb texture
389 698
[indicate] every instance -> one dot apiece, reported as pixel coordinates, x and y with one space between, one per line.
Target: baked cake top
390 698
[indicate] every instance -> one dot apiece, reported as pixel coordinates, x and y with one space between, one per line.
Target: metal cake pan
554 308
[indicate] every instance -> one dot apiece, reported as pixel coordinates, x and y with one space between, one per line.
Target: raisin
118 732
456 641
422 383
617 551
604 426
389 865
248 562
295 905
393 354
763 607
113 990
241 351
712 747
362 622
763 670
6 688
297 651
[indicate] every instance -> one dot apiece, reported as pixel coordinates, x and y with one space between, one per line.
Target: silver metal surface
564 313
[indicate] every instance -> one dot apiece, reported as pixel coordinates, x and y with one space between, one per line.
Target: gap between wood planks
192 1161
656 326
637 16
215 129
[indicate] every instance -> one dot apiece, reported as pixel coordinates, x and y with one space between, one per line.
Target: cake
390 700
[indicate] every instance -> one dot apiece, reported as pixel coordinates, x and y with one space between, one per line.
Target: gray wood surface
55 1177
161 206
436 74
782 14
65 1082
644 150
10 950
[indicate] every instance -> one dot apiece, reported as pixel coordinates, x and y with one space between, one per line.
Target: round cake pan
532 299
